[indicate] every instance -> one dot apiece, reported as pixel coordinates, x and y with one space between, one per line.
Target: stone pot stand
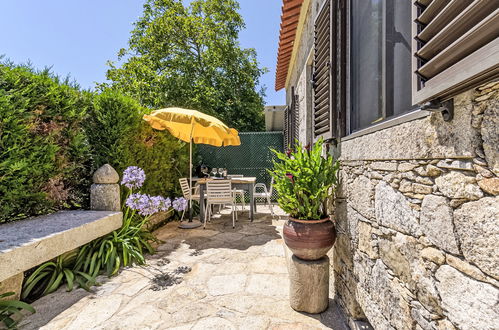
309 240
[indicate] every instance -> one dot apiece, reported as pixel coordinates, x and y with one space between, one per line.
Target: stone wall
418 221
417 213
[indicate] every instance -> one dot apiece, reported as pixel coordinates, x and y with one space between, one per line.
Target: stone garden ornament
305 180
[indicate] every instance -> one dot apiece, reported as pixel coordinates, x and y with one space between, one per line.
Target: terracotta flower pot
309 239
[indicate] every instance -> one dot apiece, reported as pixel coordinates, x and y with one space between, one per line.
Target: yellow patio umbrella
193 126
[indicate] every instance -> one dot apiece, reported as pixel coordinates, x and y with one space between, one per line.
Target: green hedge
121 138
53 136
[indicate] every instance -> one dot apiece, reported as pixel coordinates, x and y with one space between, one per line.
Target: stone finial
106 174
105 192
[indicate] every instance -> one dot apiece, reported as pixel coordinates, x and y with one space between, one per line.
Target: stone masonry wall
418 221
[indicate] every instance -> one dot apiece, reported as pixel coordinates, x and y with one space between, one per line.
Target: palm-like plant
49 276
122 247
10 310
304 179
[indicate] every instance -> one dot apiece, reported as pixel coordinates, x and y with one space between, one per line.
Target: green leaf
17 304
55 284
69 279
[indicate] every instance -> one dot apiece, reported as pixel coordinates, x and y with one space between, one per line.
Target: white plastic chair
220 192
238 192
186 191
264 193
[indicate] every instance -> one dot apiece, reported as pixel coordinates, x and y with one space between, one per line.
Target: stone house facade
417 211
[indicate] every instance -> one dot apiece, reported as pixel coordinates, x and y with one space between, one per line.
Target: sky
78 37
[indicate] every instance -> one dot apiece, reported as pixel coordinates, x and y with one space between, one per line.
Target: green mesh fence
252 158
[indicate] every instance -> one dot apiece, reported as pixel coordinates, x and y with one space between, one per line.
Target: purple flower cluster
180 204
147 205
133 177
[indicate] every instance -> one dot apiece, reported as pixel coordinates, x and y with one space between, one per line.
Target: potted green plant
304 180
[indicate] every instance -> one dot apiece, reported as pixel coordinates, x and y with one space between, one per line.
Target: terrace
217 278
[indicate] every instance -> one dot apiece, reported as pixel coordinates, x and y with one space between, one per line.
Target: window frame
406 113
471 71
329 134
477 68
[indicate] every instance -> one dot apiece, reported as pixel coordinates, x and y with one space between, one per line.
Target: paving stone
226 284
268 285
215 323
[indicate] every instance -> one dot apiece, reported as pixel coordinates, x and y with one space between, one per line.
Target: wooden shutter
340 36
286 128
291 121
295 107
322 89
456 46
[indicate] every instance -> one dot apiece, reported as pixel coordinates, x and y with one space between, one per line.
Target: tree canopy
189 56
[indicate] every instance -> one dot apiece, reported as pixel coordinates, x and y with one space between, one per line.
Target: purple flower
147 205
133 177
134 201
180 204
162 204
288 152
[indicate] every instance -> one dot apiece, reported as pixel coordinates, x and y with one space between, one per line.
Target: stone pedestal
12 284
105 192
309 285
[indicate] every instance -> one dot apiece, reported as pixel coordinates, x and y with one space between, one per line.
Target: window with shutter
291 121
329 70
322 89
456 46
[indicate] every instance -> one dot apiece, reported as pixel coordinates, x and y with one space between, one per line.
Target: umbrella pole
190 224
190 178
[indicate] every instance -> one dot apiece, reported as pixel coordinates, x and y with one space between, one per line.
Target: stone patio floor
217 278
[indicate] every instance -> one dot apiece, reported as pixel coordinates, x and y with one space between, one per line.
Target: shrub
44 153
53 136
121 138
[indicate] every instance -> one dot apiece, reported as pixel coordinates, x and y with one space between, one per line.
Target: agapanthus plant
146 205
122 247
128 244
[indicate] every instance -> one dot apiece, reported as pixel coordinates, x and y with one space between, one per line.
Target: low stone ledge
28 243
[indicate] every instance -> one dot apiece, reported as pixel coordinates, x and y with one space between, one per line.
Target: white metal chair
186 191
264 193
220 192
238 192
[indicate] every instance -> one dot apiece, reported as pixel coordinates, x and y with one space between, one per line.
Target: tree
189 56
